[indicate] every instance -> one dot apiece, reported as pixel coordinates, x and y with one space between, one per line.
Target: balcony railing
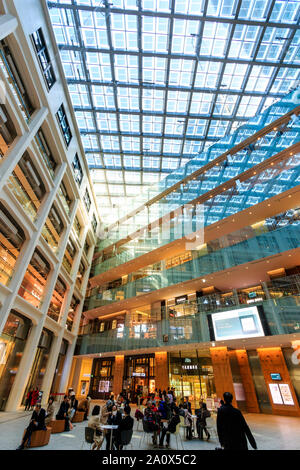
23 198
31 294
191 329
6 271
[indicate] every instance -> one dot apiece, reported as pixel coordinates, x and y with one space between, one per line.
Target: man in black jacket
171 428
125 425
63 412
114 418
232 427
37 423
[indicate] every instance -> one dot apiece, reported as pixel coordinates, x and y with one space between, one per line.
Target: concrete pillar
222 372
8 23
67 368
50 369
276 318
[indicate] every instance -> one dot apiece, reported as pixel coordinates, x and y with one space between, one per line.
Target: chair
78 417
211 427
40 438
146 432
182 425
88 437
57 425
177 436
126 437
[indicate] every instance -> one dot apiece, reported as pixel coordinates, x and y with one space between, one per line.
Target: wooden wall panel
246 375
161 371
272 361
222 372
118 375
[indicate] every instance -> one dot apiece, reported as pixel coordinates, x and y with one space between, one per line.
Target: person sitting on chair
114 418
171 428
73 405
94 422
152 418
37 423
125 425
49 411
63 412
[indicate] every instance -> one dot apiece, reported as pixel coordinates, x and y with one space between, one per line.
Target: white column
67 368
50 369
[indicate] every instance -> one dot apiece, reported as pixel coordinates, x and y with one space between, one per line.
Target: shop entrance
191 374
139 376
101 378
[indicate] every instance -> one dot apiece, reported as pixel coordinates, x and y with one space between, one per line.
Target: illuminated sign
286 394
276 395
275 376
239 323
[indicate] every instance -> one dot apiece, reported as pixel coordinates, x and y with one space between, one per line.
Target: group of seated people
162 419
112 413
42 418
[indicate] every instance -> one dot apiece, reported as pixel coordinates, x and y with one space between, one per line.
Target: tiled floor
271 433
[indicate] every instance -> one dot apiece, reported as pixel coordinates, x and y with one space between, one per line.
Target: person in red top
34 397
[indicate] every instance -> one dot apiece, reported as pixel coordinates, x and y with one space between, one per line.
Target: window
64 124
77 170
94 223
87 200
44 58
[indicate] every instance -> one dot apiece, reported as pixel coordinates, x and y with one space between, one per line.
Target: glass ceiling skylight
155 82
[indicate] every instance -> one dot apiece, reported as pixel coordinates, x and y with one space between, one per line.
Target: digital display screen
239 323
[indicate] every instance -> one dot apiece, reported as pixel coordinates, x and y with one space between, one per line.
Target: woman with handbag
201 421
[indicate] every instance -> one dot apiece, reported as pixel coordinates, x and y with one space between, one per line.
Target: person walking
233 431
28 400
201 421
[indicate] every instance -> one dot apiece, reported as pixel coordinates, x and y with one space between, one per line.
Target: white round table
111 427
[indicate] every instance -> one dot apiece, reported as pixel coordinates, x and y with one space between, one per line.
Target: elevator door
259 383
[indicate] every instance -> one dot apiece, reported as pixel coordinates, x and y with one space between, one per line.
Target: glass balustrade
261 246
6 270
273 180
22 196
188 329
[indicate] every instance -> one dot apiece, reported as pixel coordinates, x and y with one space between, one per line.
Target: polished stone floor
271 433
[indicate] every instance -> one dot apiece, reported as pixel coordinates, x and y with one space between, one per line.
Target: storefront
191 374
102 378
139 375
39 366
12 345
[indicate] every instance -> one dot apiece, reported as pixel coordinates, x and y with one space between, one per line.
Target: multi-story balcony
34 282
280 301
27 186
80 274
275 235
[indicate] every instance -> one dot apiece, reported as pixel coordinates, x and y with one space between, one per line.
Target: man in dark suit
232 428
114 418
125 425
170 429
63 412
37 423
